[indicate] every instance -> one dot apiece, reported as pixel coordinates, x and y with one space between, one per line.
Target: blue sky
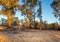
47 12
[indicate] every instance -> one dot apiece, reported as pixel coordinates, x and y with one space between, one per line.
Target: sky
47 12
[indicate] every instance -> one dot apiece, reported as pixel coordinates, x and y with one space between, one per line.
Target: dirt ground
30 36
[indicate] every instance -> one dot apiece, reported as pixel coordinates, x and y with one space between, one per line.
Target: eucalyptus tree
9 8
56 6
39 11
30 11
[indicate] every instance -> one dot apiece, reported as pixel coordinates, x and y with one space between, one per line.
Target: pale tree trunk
9 19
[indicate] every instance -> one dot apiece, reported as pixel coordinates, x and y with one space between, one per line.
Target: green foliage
56 7
8 7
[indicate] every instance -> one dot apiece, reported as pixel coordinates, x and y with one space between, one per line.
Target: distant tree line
41 25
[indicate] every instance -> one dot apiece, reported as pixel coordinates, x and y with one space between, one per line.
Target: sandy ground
31 36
